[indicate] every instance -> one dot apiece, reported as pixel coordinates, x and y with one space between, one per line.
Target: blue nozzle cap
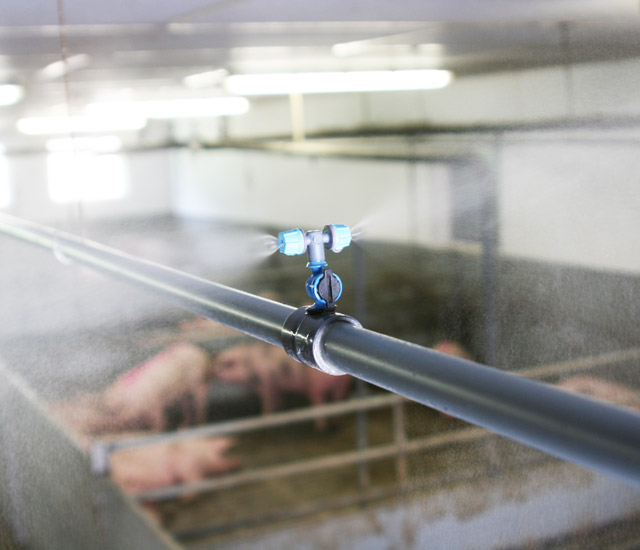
339 237
292 242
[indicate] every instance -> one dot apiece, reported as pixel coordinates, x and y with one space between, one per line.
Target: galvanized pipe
579 429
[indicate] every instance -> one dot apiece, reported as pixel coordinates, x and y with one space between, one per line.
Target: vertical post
489 236
360 307
413 215
400 439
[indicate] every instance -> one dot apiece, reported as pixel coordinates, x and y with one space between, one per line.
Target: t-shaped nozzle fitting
295 241
324 286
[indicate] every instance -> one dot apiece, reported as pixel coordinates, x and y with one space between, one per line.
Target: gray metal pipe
579 429
245 312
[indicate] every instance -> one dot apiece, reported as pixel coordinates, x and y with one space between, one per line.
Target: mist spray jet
324 286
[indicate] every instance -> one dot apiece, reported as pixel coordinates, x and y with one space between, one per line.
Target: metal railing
398 450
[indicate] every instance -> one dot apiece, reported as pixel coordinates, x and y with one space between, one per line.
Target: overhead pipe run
594 434
247 313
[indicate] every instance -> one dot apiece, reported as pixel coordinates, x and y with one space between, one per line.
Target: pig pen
375 482
411 461
417 476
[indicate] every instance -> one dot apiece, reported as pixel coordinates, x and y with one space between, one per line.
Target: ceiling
149 46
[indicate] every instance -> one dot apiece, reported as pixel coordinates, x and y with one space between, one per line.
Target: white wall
149 190
572 202
392 200
570 198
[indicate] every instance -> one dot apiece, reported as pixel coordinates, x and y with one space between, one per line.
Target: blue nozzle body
324 286
292 242
339 237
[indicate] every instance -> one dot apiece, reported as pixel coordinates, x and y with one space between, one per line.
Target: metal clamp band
303 336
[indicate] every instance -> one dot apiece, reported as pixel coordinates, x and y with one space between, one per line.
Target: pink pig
453 348
270 372
138 398
165 464
602 390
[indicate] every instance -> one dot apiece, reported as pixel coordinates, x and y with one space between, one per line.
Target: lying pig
178 375
164 464
270 372
602 390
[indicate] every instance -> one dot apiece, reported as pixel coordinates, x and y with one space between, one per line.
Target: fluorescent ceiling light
97 144
318 83
208 79
55 70
172 108
348 49
79 124
10 94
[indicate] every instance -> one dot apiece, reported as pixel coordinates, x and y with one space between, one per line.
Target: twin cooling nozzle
324 286
296 241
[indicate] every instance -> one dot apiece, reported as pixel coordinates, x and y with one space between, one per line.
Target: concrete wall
48 493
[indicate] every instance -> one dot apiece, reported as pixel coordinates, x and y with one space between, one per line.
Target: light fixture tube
95 144
173 108
10 94
79 124
58 69
334 82
206 79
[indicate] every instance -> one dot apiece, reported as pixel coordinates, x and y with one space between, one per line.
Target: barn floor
619 535
253 511
235 511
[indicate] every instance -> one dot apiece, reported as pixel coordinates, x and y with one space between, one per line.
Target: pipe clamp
303 337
